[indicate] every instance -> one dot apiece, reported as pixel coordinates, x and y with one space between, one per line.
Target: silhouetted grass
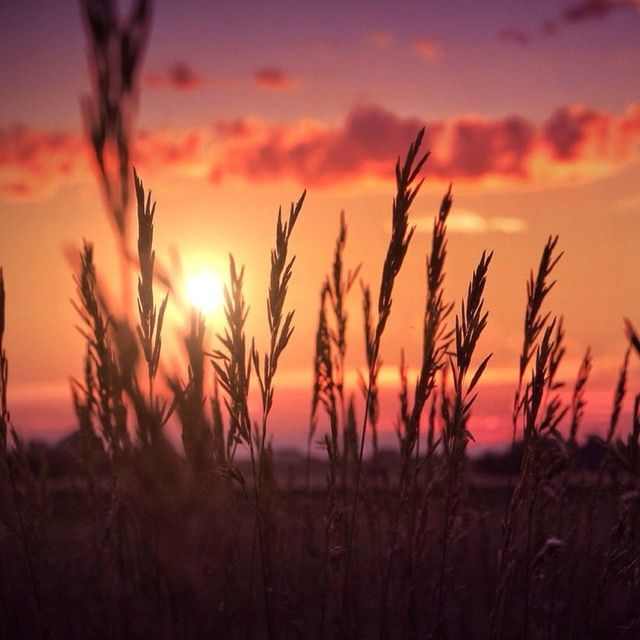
114 534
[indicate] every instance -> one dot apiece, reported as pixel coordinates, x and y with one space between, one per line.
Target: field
169 557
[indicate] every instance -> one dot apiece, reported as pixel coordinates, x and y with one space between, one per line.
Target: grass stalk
233 369
401 234
614 419
115 50
534 321
526 406
280 325
8 462
281 329
469 326
435 343
95 327
152 413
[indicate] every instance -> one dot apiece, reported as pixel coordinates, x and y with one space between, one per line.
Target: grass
131 527
121 536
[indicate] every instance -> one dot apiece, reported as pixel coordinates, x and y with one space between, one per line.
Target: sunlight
204 290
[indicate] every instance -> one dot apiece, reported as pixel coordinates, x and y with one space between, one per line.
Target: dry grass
145 530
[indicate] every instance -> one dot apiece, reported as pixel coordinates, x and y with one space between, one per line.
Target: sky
532 112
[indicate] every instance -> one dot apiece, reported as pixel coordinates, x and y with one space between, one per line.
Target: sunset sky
532 111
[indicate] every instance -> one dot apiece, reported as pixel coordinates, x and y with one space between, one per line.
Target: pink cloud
178 76
161 149
33 162
274 79
574 144
367 142
575 133
427 49
479 147
569 128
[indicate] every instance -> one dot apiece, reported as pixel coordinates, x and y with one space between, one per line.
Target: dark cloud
274 79
178 76
237 128
594 9
578 12
569 128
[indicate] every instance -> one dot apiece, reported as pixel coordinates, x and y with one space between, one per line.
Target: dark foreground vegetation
157 553
115 535
112 534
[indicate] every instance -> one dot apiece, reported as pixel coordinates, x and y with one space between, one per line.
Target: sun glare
204 290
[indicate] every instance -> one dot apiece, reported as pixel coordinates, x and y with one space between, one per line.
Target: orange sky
533 113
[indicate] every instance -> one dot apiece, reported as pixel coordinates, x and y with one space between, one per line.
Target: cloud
479 147
380 39
570 128
34 162
594 9
178 76
274 79
576 133
506 224
427 50
469 222
574 144
366 143
581 11
164 150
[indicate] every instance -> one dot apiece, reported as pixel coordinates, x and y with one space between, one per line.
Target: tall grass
129 538
20 511
456 435
436 342
406 191
178 535
233 369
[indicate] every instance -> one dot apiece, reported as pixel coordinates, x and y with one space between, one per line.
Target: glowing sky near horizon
531 109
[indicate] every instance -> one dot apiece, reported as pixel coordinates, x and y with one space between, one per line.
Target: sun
205 291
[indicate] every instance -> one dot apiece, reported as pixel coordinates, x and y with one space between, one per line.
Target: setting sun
204 290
